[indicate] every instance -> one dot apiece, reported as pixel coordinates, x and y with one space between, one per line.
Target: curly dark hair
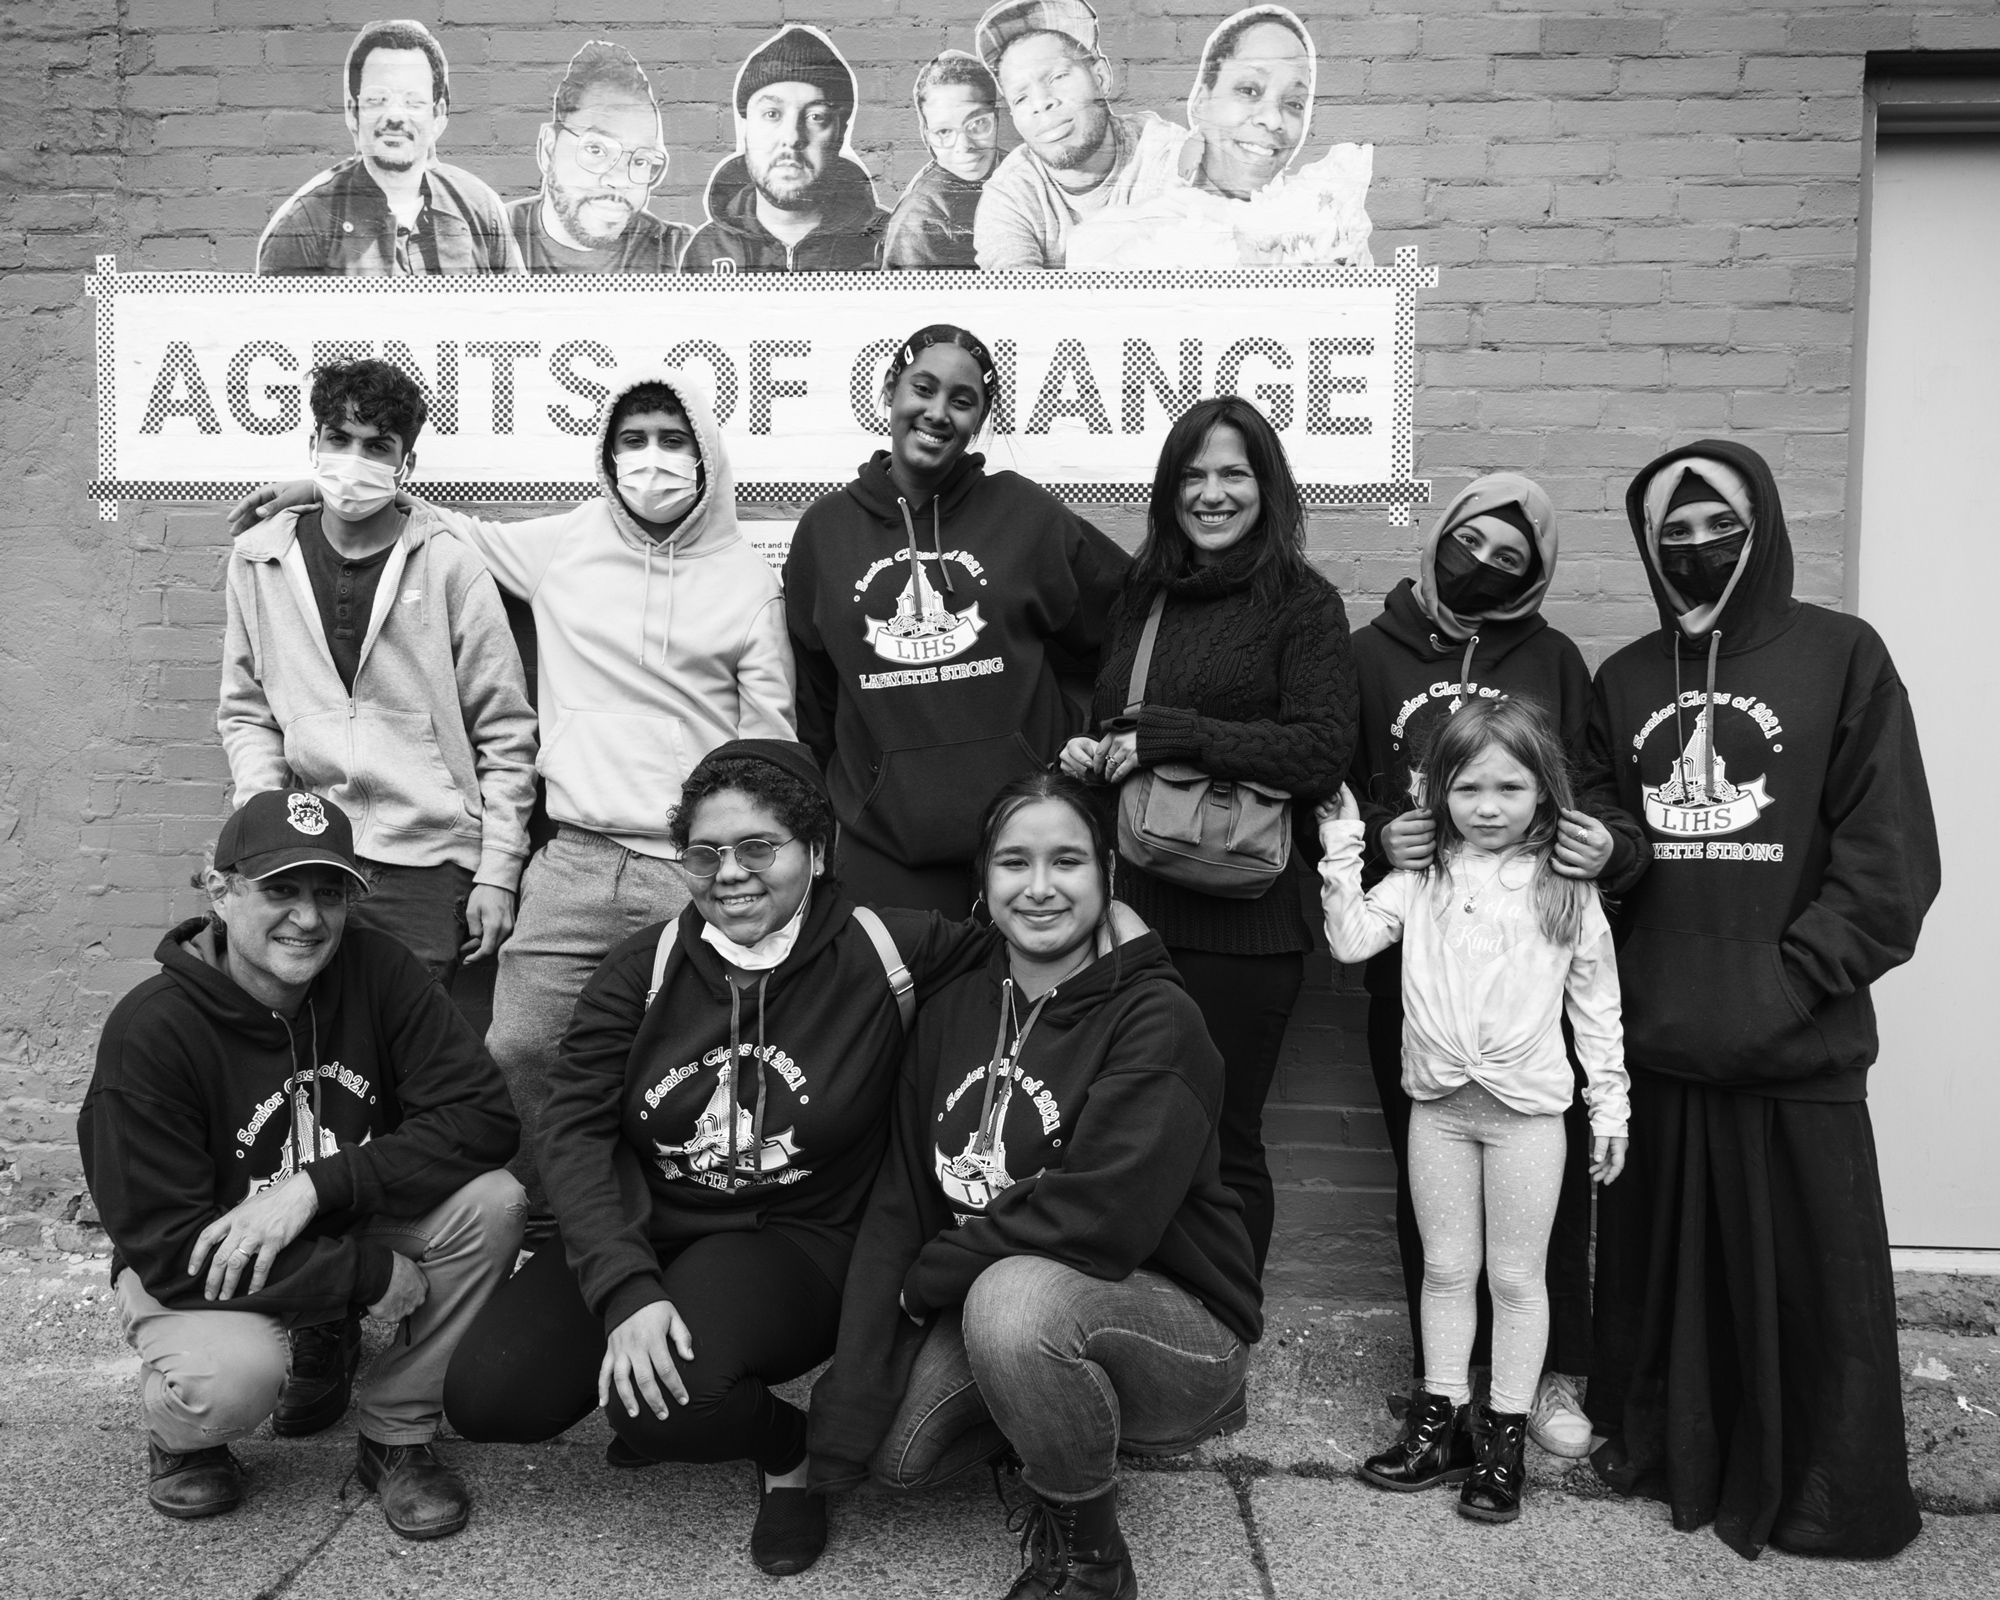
374 392
804 813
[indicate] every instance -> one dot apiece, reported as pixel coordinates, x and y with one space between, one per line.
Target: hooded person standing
793 198
1469 626
1746 1322
929 605
659 635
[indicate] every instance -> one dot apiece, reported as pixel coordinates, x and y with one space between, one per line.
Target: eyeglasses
977 127
598 155
412 103
752 855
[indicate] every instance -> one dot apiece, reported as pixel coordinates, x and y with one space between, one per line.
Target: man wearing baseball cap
1077 156
288 1126
793 198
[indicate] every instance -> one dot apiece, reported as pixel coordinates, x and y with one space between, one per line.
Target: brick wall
1646 217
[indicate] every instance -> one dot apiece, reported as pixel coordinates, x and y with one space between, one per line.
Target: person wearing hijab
1468 626
1746 1365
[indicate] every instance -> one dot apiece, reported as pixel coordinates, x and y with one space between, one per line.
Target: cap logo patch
306 813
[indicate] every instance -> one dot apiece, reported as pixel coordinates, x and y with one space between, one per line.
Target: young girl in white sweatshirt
1496 946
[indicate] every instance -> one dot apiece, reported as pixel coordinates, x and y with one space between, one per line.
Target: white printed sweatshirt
650 653
1483 991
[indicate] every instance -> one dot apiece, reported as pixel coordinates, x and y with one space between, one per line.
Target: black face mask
1468 587
1701 571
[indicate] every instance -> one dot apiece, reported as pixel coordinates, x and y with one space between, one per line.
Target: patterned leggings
1485 1180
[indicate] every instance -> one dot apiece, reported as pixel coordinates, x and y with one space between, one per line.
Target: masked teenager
659 635
1250 679
930 606
1468 626
1746 1366
1050 1260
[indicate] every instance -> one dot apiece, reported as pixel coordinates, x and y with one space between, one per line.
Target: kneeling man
287 1127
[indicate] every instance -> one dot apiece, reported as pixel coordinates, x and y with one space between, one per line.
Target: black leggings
1246 1002
760 1312
1569 1241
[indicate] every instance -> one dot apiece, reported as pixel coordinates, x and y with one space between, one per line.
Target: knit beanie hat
798 54
787 755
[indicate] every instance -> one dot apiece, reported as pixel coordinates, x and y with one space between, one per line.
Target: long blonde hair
1522 729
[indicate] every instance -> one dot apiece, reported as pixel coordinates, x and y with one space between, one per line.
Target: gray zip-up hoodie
432 756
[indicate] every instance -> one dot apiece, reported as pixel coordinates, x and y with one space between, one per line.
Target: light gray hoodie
432 756
650 652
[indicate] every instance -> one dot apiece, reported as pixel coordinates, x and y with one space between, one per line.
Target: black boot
192 1483
1073 1550
1493 1492
1436 1447
321 1379
421 1497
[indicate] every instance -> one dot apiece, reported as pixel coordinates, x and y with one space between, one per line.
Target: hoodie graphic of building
307 1142
708 1150
973 1179
1697 798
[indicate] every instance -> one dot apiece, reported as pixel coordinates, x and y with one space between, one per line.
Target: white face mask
353 487
768 952
657 484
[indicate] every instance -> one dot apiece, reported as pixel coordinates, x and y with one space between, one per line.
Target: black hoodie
848 239
1793 849
634 1139
1411 676
923 638
1106 1159
377 1090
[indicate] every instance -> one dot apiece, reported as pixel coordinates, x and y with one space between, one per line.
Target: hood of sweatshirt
850 208
1124 967
1758 604
192 955
1478 497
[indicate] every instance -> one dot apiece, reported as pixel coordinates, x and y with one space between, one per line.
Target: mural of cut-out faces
601 155
958 112
392 206
794 198
1252 100
1078 154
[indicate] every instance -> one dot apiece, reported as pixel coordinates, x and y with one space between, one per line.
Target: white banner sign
202 377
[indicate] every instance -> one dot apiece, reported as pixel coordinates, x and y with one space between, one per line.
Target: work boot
192 1483
1493 1492
321 1379
422 1498
1072 1550
1435 1448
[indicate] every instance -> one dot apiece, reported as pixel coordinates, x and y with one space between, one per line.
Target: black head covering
787 755
1694 489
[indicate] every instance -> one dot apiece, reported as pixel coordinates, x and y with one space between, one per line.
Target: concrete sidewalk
1271 1511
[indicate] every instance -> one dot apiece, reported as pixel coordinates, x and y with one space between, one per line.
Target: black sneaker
790 1531
321 1380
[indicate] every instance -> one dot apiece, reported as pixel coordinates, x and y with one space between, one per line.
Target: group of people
1087 184
846 1014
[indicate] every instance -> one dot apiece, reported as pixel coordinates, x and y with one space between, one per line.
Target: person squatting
862 1023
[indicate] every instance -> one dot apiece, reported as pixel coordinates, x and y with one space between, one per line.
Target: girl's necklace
1472 898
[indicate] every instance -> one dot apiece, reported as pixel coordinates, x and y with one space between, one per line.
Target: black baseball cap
285 828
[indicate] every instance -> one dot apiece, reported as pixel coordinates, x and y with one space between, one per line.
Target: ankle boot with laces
1072 1550
1436 1447
1493 1492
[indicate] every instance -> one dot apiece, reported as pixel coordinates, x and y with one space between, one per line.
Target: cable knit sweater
1240 692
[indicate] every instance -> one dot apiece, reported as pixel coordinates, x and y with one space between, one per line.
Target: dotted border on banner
1399 496
1406 276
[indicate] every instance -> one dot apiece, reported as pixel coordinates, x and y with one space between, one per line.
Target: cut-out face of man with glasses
391 207
601 157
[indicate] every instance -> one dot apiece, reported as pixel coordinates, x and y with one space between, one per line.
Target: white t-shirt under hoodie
1483 990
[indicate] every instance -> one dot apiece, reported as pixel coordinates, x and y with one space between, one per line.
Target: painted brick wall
1646 219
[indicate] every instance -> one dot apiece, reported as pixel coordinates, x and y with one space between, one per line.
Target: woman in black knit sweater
1251 678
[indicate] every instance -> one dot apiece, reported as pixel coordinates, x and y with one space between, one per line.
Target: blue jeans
581 896
1069 1370
423 907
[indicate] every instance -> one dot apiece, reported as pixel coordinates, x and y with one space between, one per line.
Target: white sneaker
1557 1423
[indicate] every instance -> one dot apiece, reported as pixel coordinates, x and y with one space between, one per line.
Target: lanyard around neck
1001 1068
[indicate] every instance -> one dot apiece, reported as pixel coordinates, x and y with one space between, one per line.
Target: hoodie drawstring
1000 1069
1707 712
1465 669
735 1066
937 546
646 600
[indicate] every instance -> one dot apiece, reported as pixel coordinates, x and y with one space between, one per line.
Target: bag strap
661 952
1142 662
901 984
